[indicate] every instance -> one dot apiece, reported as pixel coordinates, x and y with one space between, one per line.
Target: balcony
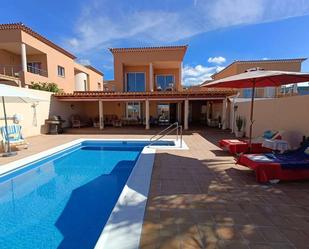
36 70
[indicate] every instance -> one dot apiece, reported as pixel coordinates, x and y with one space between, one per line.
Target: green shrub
45 86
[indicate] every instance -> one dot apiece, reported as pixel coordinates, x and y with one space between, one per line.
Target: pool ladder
168 130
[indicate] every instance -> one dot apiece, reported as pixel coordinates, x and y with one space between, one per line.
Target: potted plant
239 124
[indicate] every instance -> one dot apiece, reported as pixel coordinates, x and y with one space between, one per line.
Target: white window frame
168 74
126 80
58 66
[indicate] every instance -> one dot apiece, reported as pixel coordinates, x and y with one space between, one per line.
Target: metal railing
10 70
36 70
173 127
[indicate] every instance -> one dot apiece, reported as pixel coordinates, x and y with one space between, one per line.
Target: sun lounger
14 135
273 167
237 146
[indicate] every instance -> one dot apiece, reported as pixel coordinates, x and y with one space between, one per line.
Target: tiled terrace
200 199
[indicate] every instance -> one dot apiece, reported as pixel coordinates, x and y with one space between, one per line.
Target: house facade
147 90
27 57
237 67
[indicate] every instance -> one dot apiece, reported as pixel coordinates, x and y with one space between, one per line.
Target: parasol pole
9 151
251 115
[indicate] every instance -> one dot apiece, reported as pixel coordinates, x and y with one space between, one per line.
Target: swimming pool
65 199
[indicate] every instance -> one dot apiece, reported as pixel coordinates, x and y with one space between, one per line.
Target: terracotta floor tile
270 246
272 234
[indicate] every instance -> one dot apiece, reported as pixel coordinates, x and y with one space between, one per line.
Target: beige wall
289 114
33 119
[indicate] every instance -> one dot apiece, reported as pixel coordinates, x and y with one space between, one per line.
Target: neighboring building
238 67
147 89
26 57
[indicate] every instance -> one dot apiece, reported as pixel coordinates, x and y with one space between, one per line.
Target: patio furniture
109 119
77 122
213 122
12 136
117 123
55 125
276 144
275 167
237 146
96 122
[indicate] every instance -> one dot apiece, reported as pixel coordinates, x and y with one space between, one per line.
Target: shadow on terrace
210 203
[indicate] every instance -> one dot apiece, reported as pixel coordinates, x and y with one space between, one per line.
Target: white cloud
84 62
107 23
198 74
216 60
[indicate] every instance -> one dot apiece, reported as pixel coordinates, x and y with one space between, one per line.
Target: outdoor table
276 144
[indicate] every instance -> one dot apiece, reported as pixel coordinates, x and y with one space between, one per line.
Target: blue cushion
268 134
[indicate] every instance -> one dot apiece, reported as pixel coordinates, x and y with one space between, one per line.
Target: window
247 92
99 86
163 113
165 82
34 67
133 110
135 82
61 71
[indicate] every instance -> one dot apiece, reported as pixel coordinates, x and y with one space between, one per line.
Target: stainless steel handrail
166 132
173 124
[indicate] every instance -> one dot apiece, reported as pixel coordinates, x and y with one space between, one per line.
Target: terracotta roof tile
144 49
216 93
21 26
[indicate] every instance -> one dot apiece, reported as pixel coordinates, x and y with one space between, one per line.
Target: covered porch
151 109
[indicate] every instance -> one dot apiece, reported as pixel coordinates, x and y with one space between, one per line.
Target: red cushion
271 170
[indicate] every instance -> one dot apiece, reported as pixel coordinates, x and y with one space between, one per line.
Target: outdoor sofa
272 167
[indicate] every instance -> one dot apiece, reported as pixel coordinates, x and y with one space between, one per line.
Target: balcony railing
10 70
36 70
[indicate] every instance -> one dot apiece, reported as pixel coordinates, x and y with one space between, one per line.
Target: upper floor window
165 82
135 82
61 71
34 67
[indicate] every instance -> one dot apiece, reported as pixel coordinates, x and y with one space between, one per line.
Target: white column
180 75
224 112
186 116
23 57
101 115
179 112
151 77
147 114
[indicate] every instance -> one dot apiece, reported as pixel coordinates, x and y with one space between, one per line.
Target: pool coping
124 226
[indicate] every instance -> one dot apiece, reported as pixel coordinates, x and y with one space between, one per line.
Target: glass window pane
130 82
169 79
161 82
140 82
135 82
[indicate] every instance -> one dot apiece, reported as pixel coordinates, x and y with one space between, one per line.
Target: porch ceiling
123 96
14 47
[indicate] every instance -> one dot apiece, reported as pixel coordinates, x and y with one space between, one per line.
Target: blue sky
217 31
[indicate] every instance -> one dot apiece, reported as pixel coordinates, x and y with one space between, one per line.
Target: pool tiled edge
124 226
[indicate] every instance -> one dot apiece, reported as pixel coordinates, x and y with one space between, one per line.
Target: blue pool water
64 201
